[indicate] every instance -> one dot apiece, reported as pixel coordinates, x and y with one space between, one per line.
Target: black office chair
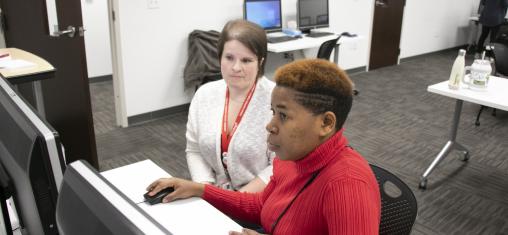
326 48
325 51
398 203
500 54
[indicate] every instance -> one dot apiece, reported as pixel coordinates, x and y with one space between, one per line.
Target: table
309 42
188 216
41 70
495 96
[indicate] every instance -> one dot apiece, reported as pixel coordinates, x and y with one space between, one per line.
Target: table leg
336 53
303 53
39 99
450 145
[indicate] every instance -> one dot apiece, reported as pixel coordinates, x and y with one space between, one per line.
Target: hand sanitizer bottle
457 71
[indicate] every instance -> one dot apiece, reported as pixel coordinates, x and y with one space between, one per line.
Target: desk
41 70
495 97
188 216
308 42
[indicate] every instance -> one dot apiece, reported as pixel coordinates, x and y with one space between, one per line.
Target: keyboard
319 34
281 39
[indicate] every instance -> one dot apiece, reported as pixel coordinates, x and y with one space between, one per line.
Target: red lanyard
225 138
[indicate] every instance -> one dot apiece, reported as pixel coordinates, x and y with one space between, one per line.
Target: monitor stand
306 31
316 33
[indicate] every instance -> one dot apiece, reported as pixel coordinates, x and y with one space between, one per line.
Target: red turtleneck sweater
343 199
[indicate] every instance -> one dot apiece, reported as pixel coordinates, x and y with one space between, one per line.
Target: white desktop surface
307 42
495 96
133 179
189 216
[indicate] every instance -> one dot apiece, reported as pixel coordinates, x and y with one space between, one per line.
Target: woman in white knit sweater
226 141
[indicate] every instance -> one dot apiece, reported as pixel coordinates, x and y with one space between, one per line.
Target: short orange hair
322 86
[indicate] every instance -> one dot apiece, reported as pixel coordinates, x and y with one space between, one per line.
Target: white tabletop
189 216
495 96
40 65
307 42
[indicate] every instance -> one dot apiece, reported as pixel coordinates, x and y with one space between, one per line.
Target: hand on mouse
183 188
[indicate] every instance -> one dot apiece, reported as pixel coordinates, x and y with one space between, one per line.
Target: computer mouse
157 198
348 34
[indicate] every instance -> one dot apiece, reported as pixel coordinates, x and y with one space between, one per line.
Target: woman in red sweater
319 185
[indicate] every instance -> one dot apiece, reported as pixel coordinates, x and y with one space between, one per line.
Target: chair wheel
465 158
477 123
423 184
356 92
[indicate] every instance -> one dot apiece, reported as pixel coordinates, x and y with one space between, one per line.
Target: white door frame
116 60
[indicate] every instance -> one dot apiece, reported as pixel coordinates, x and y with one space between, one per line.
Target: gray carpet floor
394 123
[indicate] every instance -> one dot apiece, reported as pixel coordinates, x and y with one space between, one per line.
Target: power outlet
152 4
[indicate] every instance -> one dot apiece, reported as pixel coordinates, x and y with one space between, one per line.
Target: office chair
326 48
398 203
325 51
500 54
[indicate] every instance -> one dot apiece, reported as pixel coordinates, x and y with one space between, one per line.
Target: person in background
226 145
319 185
492 14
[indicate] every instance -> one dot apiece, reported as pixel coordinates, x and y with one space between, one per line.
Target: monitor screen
31 154
312 14
89 204
266 13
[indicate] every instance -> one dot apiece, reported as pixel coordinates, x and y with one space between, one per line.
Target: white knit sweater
248 155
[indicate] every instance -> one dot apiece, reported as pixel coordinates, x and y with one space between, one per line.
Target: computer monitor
31 154
266 13
312 14
89 204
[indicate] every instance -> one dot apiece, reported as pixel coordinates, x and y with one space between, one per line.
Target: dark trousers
485 32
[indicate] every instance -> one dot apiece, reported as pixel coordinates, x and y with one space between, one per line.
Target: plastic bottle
457 71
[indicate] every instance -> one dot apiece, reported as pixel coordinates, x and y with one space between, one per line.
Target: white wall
97 42
354 16
434 25
154 41
154 47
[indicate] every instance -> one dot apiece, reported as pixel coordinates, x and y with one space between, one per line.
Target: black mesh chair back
500 52
326 48
325 51
398 203
502 34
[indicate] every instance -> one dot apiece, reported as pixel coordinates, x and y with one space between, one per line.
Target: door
67 95
386 30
